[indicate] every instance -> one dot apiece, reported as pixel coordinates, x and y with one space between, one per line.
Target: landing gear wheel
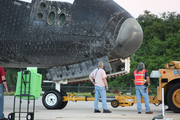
173 96
115 103
64 103
52 99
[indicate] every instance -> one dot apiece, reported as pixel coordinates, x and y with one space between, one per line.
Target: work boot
97 111
150 112
106 111
3 119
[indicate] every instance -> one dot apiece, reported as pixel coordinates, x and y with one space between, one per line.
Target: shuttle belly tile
77 70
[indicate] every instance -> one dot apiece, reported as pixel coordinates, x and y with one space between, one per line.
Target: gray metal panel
155 74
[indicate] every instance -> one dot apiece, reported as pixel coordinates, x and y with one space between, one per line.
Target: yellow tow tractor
169 79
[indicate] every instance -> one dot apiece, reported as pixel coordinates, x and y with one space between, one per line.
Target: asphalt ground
82 110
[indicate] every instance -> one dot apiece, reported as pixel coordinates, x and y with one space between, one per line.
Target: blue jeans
1 101
100 91
141 90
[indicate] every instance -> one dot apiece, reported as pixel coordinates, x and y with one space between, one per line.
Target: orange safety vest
139 77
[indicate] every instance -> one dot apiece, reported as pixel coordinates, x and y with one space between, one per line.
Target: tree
161 44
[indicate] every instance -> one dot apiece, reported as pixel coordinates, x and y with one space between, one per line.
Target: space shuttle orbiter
45 33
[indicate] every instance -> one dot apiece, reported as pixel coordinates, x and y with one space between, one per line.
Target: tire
64 103
52 99
30 116
11 116
115 103
173 98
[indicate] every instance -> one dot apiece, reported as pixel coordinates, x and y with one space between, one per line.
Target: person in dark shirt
2 81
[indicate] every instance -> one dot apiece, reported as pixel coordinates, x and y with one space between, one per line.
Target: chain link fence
88 89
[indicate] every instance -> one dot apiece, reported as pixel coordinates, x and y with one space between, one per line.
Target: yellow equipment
73 98
122 100
169 79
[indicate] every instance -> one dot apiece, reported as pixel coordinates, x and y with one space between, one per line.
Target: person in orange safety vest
141 81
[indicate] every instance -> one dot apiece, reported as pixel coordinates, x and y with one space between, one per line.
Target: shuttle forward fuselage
48 33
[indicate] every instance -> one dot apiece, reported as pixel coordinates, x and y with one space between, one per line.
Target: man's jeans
1 101
141 90
100 91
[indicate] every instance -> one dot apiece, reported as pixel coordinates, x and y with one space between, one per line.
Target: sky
137 7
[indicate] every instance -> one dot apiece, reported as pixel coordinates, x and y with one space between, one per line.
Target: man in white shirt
100 83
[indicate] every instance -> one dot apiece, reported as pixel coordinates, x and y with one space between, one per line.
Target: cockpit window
69 1
61 20
42 6
39 16
51 18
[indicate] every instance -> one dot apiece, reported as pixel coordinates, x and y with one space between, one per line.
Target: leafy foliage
11 76
161 44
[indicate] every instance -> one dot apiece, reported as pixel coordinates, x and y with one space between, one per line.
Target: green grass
89 94
11 93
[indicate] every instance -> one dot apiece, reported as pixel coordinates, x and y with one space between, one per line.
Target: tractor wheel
64 103
52 99
173 98
115 103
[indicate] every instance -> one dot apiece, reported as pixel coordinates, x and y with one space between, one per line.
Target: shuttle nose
129 39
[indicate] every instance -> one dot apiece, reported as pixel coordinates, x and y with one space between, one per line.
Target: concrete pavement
82 110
